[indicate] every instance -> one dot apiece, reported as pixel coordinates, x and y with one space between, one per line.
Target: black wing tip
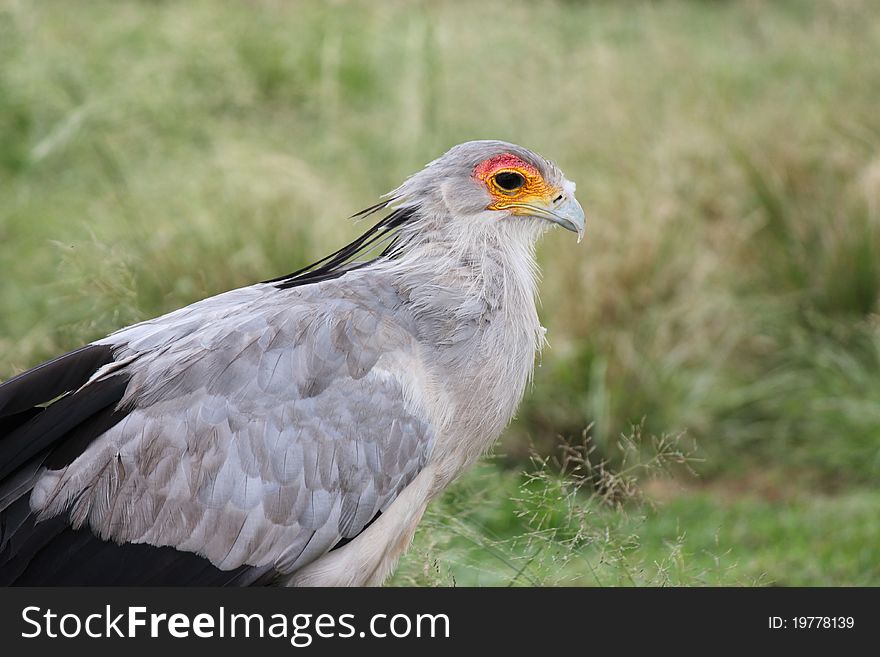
49 380
65 427
49 413
52 553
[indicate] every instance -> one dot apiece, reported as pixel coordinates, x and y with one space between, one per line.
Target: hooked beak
566 212
570 215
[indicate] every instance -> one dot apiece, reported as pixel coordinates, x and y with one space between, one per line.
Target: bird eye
509 181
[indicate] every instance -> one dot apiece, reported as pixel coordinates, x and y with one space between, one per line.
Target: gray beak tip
570 215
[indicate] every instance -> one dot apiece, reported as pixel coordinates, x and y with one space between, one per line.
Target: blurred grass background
726 295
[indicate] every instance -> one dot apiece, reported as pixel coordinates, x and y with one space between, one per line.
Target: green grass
698 536
727 153
645 524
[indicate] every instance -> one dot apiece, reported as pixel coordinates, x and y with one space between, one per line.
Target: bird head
494 181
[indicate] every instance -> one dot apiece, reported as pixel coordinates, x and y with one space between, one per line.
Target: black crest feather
347 258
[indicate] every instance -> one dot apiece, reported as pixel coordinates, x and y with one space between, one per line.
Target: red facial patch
504 161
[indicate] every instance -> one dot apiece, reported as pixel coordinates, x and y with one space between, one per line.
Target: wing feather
265 427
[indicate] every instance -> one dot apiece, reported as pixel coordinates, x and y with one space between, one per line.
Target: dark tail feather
46 413
48 417
82 411
63 419
45 382
53 438
12 422
51 553
42 408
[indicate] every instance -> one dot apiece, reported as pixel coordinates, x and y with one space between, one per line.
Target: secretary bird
294 431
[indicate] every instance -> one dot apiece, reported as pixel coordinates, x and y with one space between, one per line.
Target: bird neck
473 302
488 273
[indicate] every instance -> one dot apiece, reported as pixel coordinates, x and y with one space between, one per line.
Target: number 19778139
811 622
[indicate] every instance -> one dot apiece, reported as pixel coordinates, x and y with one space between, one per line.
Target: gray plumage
270 424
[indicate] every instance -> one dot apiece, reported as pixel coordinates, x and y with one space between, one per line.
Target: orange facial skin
534 191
